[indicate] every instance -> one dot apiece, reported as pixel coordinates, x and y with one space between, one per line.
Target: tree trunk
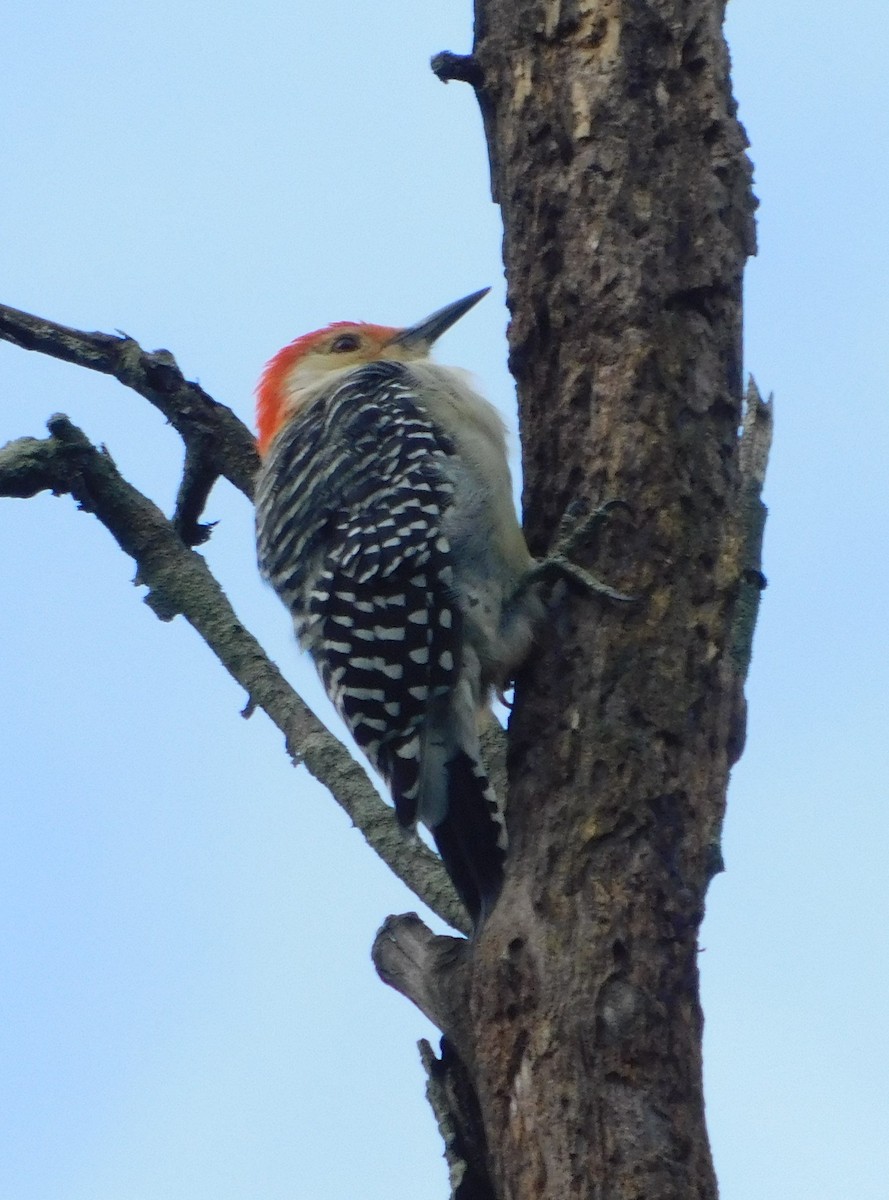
620 170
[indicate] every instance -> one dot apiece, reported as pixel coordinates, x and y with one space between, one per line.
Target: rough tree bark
571 1062
620 170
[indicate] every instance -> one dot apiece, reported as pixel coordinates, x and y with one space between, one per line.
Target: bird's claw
579 526
558 567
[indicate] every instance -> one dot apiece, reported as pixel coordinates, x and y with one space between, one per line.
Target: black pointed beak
427 331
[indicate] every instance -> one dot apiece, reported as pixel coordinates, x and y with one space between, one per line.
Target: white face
341 350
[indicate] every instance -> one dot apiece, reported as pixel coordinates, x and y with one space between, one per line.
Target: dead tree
571 1062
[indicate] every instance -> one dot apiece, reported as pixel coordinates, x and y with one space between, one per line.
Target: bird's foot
556 567
579 528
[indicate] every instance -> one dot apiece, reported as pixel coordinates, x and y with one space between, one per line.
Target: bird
386 524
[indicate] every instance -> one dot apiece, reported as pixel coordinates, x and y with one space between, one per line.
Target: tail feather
470 837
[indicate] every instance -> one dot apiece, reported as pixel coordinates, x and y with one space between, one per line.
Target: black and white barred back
349 507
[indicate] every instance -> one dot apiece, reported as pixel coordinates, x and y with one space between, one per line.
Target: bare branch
431 971
180 582
198 478
459 68
217 442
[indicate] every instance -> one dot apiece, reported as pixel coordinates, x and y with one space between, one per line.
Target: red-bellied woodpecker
385 522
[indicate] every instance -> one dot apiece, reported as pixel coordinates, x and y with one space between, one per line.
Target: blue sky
188 1009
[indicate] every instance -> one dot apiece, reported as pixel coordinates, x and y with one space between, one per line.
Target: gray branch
180 582
460 68
217 443
430 970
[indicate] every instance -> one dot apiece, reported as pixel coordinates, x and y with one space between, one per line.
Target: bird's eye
345 342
